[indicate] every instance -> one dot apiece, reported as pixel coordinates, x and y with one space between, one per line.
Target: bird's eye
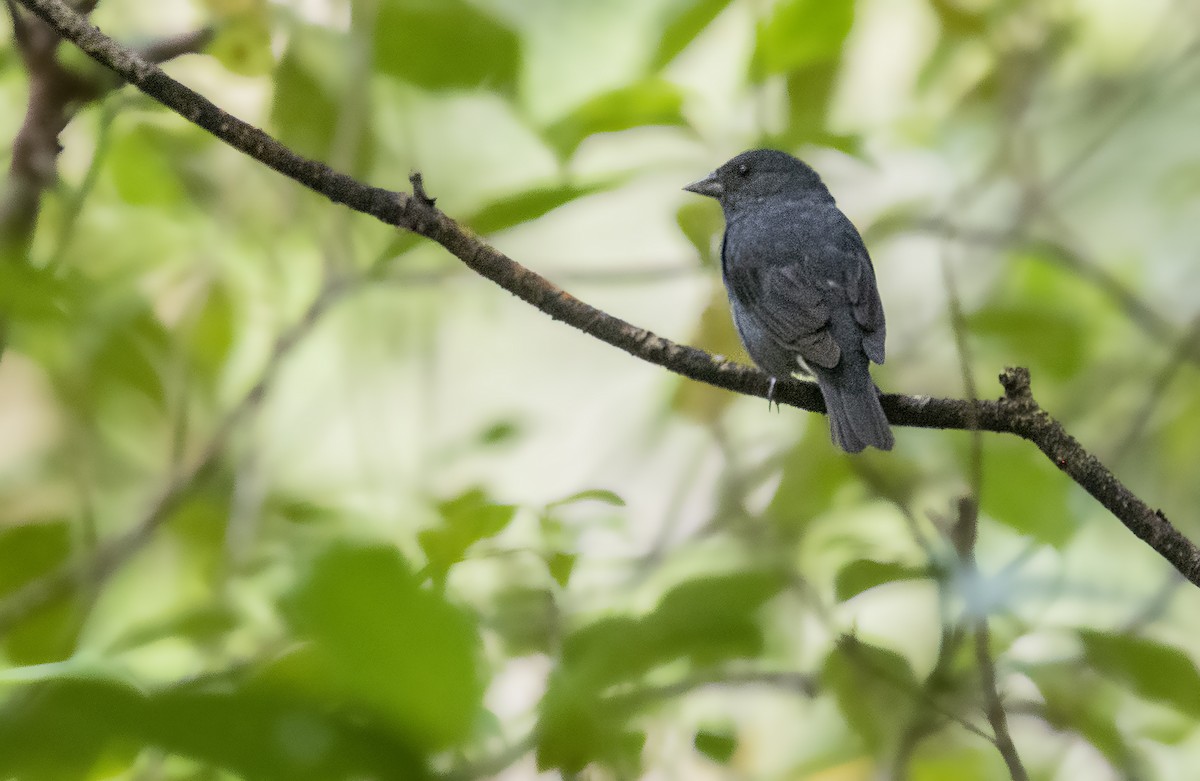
743 170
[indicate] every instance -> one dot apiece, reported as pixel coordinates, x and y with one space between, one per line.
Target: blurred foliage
653 102
281 499
443 44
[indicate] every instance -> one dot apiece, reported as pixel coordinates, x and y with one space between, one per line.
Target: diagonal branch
1015 413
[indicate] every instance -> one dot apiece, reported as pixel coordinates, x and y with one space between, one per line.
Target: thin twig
993 707
967 525
174 46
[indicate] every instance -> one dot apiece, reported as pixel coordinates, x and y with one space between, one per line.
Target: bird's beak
709 185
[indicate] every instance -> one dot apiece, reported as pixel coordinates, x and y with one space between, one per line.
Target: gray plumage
802 287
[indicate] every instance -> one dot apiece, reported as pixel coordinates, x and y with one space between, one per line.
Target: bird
801 287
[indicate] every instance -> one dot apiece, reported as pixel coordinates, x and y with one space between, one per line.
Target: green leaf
863 574
710 619
704 620
78 728
387 645
874 688
445 44
1024 492
29 293
466 520
29 551
501 433
717 746
443 548
591 495
650 102
575 727
685 19
801 33
561 565
612 649
625 758
527 206
1154 671
476 515
59 731
295 509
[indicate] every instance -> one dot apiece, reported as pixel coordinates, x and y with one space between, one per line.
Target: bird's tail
856 419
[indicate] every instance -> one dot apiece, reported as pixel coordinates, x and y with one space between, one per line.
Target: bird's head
760 174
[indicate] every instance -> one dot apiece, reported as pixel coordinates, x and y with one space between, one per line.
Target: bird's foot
771 396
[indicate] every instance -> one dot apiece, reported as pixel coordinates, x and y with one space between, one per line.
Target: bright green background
455 539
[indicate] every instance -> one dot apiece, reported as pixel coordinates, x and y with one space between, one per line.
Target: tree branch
55 94
1016 413
52 89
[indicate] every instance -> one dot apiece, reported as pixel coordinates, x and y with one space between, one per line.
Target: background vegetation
288 495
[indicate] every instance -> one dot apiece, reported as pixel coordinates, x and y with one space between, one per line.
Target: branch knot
418 185
1015 380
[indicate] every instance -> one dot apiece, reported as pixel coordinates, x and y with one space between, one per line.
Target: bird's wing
868 309
788 306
